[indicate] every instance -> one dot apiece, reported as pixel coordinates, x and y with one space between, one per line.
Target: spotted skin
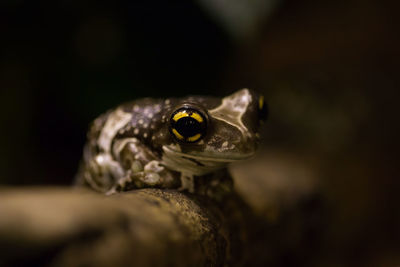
136 145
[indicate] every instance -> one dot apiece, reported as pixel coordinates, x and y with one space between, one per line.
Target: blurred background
329 71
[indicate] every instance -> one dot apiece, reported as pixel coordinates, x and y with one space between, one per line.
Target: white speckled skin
132 146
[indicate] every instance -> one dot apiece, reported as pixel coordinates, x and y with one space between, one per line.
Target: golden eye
188 125
180 115
261 102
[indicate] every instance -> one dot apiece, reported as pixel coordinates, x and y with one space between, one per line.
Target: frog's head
207 129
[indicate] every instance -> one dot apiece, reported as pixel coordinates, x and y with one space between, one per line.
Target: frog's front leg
98 171
187 183
142 167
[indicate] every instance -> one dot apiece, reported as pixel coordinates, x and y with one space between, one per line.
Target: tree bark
148 227
274 216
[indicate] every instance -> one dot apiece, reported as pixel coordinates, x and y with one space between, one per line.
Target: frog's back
137 119
134 116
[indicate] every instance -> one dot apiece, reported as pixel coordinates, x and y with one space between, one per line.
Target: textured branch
150 227
281 225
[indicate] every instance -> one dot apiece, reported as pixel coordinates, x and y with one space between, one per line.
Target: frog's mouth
204 156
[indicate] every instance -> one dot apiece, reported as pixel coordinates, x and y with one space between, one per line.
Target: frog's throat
226 159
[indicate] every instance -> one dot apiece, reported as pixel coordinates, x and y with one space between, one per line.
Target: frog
171 143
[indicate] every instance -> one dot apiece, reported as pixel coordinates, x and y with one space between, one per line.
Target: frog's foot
139 177
187 183
125 183
98 173
151 176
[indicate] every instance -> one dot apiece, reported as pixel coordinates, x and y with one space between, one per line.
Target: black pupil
187 127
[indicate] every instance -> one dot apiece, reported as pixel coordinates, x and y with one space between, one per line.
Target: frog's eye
188 125
262 108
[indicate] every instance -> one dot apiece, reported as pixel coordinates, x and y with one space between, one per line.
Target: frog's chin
217 157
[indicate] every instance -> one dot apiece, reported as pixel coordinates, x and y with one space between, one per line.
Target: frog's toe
112 191
187 183
153 166
152 179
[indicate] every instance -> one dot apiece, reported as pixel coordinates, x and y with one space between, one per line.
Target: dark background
329 71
